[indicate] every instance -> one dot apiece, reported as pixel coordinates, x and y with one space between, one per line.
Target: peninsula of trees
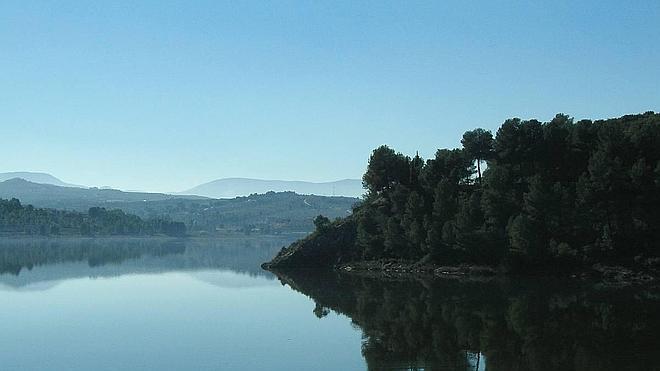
537 193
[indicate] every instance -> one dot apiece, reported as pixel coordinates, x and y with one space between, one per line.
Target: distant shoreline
7 237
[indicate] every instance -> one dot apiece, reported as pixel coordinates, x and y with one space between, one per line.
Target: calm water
205 304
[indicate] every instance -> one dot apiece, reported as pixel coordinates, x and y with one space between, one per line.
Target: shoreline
403 268
607 275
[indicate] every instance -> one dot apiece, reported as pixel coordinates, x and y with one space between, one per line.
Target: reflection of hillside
31 263
232 279
450 325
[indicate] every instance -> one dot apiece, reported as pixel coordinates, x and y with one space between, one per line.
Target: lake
193 304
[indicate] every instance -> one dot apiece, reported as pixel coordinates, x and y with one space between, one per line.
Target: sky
164 95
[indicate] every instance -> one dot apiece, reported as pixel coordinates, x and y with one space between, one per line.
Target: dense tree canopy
478 145
16 218
559 191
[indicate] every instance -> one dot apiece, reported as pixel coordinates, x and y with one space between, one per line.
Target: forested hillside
535 193
272 212
269 213
17 219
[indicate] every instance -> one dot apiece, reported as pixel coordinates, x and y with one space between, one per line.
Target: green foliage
18 219
395 242
413 224
586 191
478 146
269 213
369 237
321 223
386 169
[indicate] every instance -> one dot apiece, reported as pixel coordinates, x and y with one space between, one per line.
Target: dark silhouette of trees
321 223
386 169
556 193
478 145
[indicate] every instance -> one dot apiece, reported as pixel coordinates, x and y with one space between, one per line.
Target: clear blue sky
163 95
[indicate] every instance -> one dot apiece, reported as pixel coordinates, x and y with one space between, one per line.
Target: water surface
139 304
161 305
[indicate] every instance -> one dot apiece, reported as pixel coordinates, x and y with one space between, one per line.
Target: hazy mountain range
233 187
67 197
220 188
265 213
42 178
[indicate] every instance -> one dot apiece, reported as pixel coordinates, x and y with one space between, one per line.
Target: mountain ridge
37 177
237 187
54 196
268 213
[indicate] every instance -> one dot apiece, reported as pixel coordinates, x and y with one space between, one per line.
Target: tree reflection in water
496 325
130 255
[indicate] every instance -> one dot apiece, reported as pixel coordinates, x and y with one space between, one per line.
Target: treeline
536 192
269 213
16 218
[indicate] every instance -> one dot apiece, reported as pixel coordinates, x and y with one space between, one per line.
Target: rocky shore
615 276
397 267
602 274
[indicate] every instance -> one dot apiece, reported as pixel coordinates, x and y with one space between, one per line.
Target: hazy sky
163 95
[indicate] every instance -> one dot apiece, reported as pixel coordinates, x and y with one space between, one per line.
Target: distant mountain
71 198
42 178
235 187
269 213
